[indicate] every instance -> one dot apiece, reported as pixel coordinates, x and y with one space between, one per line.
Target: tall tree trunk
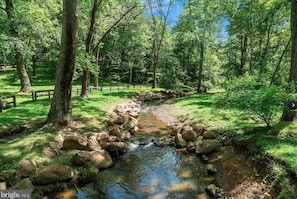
199 84
19 59
96 77
289 115
85 83
89 41
60 113
241 70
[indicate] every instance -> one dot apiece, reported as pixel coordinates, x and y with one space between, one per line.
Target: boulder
209 135
53 173
165 141
115 130
113 138
24 184
120 147
188 133
126 135
176 129
119 120
191 146
75 142
101 159
80 158
211 190
93 144
25 167
206 146
199 128
8 176
180 140
211 169
103 135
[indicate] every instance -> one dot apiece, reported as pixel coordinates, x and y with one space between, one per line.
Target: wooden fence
39 93
50 93
7 99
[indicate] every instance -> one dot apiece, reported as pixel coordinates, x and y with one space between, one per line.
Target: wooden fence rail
3 102
36 94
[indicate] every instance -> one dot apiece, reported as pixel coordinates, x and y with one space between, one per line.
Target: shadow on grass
25 111
23 146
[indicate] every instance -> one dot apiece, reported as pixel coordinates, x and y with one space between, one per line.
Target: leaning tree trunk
19 59
60 113
22 73
290 115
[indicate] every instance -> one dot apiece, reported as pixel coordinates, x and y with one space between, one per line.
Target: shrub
253 97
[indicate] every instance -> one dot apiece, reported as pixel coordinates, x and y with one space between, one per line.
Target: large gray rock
126 135
209 135
206 146
115 130
199 128
188 133
120 147
93 144
101 159
53 173
25 167
102 138
75 142
180 141
80 158
176 129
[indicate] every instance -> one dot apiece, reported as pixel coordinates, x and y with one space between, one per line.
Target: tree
60 113
159 16
289 115
89 42
18 55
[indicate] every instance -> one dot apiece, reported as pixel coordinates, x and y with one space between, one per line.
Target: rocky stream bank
233 173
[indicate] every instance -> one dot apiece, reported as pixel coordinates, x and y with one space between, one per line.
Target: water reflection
153 172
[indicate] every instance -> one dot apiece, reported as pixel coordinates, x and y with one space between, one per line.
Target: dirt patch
241 176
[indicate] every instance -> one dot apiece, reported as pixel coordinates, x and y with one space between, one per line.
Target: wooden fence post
1 105
14 101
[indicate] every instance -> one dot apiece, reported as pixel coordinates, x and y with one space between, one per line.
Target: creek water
148 171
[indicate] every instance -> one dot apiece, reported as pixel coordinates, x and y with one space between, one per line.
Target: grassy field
90 112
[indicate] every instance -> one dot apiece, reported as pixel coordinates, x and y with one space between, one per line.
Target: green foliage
252 96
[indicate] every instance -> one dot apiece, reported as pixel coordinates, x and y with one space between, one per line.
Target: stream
148 171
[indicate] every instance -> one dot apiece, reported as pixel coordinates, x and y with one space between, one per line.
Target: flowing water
148 171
